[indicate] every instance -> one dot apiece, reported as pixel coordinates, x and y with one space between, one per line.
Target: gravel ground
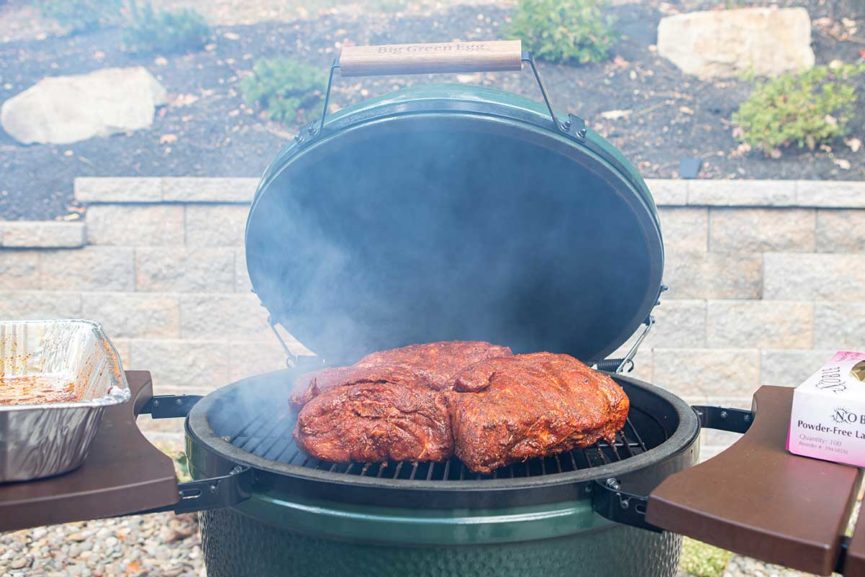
745 567
168 545
163 545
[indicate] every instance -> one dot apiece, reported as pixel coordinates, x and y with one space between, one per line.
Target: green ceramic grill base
236 545
330 526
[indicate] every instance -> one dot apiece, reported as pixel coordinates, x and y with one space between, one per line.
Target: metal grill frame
211 454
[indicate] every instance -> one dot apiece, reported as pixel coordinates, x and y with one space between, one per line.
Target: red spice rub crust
376 422
434 365
387 406
516 408
475 400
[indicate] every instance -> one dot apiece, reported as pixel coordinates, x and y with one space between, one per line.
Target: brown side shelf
123 473
855 562
757 499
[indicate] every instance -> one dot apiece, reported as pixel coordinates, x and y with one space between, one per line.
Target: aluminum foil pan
70 372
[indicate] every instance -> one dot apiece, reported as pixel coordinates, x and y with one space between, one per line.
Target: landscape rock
726 43
66 109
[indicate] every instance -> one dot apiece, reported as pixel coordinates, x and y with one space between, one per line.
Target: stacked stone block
767 280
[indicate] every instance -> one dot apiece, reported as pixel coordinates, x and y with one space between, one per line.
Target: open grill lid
454 213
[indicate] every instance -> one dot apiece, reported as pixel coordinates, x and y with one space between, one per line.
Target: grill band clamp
202 494
610 501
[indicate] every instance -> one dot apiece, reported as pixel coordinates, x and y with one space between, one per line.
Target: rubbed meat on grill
434 365
512 409
376 422
310 385
388 406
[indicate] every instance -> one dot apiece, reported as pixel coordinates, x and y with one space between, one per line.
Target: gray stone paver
815 277
134 315
839 325
92 268
742 192
679 324
685 228
215 225
759 323
182 363
698 274
195 189
182 269
121 189
840 230
19 270
236 317
707 373
135 225
38 304
42 234
834 194
789 367
762 230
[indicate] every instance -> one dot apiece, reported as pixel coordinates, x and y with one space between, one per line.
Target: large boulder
725 43
64 109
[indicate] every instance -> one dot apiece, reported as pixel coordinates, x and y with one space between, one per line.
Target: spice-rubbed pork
387 406
376 422
433 365
516 408
479 401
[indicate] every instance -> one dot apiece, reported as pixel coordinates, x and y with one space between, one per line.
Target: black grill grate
269 436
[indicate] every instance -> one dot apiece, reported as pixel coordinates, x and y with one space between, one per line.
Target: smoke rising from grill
423 227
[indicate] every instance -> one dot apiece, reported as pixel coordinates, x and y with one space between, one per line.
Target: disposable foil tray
71 373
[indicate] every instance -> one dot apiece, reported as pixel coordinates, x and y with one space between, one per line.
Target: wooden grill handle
484 56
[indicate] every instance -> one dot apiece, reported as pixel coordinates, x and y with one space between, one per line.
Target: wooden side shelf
855 562
123 473
757 499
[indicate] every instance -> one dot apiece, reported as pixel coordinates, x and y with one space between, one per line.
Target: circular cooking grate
268 434
250 423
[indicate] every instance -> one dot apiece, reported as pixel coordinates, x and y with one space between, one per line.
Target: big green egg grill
458 212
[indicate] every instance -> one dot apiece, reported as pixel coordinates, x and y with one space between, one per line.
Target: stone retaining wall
767 279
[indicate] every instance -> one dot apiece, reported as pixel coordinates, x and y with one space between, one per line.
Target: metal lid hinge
307 134
290 357
626 363
574 126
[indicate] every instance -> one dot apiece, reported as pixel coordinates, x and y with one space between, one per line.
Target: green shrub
805 109
702 560
181 463
77 16
284 88
573 31
164 31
